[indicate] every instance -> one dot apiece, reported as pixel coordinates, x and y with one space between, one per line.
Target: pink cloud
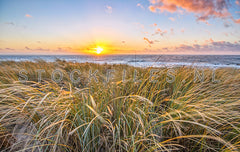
203 9
237 2
140 5
161 32
170 8
211 40
236 21
152 9
171 18
27 15
154 24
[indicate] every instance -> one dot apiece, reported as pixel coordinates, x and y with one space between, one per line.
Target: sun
98 50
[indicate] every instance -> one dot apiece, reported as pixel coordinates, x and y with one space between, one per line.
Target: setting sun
98 50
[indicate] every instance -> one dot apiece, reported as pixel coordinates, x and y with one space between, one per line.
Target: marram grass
185 115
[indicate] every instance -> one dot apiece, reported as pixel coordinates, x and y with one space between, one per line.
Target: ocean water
213 61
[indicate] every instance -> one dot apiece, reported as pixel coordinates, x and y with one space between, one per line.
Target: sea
213 61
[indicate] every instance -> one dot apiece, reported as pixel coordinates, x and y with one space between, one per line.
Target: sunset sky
119 26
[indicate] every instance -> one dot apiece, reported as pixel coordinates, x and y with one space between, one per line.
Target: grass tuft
116 114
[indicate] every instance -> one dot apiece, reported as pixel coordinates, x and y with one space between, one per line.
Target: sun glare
98 50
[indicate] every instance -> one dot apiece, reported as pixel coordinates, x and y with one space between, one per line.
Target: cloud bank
209 47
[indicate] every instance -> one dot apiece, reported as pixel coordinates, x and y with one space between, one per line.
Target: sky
55 27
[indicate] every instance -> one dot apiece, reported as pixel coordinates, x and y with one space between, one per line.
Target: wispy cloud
140 5
108 9
161 32
9 49
171 18
27 48
148 41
